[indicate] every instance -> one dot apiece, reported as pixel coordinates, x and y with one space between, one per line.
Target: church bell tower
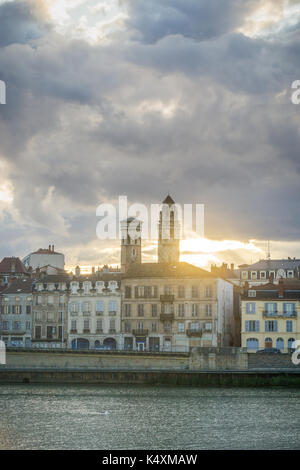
131 243
168 232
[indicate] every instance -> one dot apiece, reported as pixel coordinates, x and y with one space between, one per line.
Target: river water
151 418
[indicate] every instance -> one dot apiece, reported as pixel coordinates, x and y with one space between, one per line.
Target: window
167 326
86 307
271 308
194 291
290 274
271 325
244 274
50 316
140 325
28 325
73 325
154 327
154 310
167 308
51 332
181 310
252 325
181 292
113 306
194 310
289 309
263 274
38 332
168 290
208 292
99 306
195 327
17 309
140 310
251 293
5 325
252 343
180 327
99 325
86 287
291 343
280 343
38 316
5 309
16 325
28 310
253 275
250 307
127 327
289 326
86 325
127 292
127 310
208 310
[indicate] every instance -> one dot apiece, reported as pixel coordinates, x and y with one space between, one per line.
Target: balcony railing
266 313
86 331
194 333
167 298
112 313
86 314
73 332
99 314
140 332
166 316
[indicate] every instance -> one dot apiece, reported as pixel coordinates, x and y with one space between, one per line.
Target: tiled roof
169 200
175 270
21 286
12 265
272 264
45 251
291 290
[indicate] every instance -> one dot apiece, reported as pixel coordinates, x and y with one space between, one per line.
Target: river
152 418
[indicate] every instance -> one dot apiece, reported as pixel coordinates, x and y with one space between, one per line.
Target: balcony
99 330
194 333
167 298
13 332
112 313
99 314
86 331
73 332
166 316
140 332
112 331
290 314
268 314
86 314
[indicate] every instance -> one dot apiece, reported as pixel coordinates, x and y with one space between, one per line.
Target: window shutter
266 326
20 309
247 325
257 325
136 292
70 307
275 325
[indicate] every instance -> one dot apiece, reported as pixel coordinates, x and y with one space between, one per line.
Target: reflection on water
156 418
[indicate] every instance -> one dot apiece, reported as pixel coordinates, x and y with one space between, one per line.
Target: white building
45 257
94 312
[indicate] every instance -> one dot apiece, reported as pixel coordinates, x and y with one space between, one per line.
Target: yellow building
270 316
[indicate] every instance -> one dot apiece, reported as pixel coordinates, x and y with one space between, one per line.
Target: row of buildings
163 306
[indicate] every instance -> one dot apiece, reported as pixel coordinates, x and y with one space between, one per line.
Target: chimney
93 270
280 289
232 266
271 278
49 248
53 248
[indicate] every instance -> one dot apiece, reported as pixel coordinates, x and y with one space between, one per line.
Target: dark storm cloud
196 19
19 23
203 119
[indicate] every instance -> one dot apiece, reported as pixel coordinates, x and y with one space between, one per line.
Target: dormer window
263 274
253 275
290 274
244 274
251 293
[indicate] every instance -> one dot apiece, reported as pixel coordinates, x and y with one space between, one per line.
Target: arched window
268 343
252 344
280 343
97 344
83 343
291 343
110 343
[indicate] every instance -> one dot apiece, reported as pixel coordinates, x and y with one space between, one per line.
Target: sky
141 98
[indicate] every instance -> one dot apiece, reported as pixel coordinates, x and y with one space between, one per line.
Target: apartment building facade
174 307
270 316
16 314
50 311
94 312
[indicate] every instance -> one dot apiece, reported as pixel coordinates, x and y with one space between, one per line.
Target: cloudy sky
142 97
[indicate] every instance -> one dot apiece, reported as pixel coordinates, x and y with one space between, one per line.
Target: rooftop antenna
268 251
